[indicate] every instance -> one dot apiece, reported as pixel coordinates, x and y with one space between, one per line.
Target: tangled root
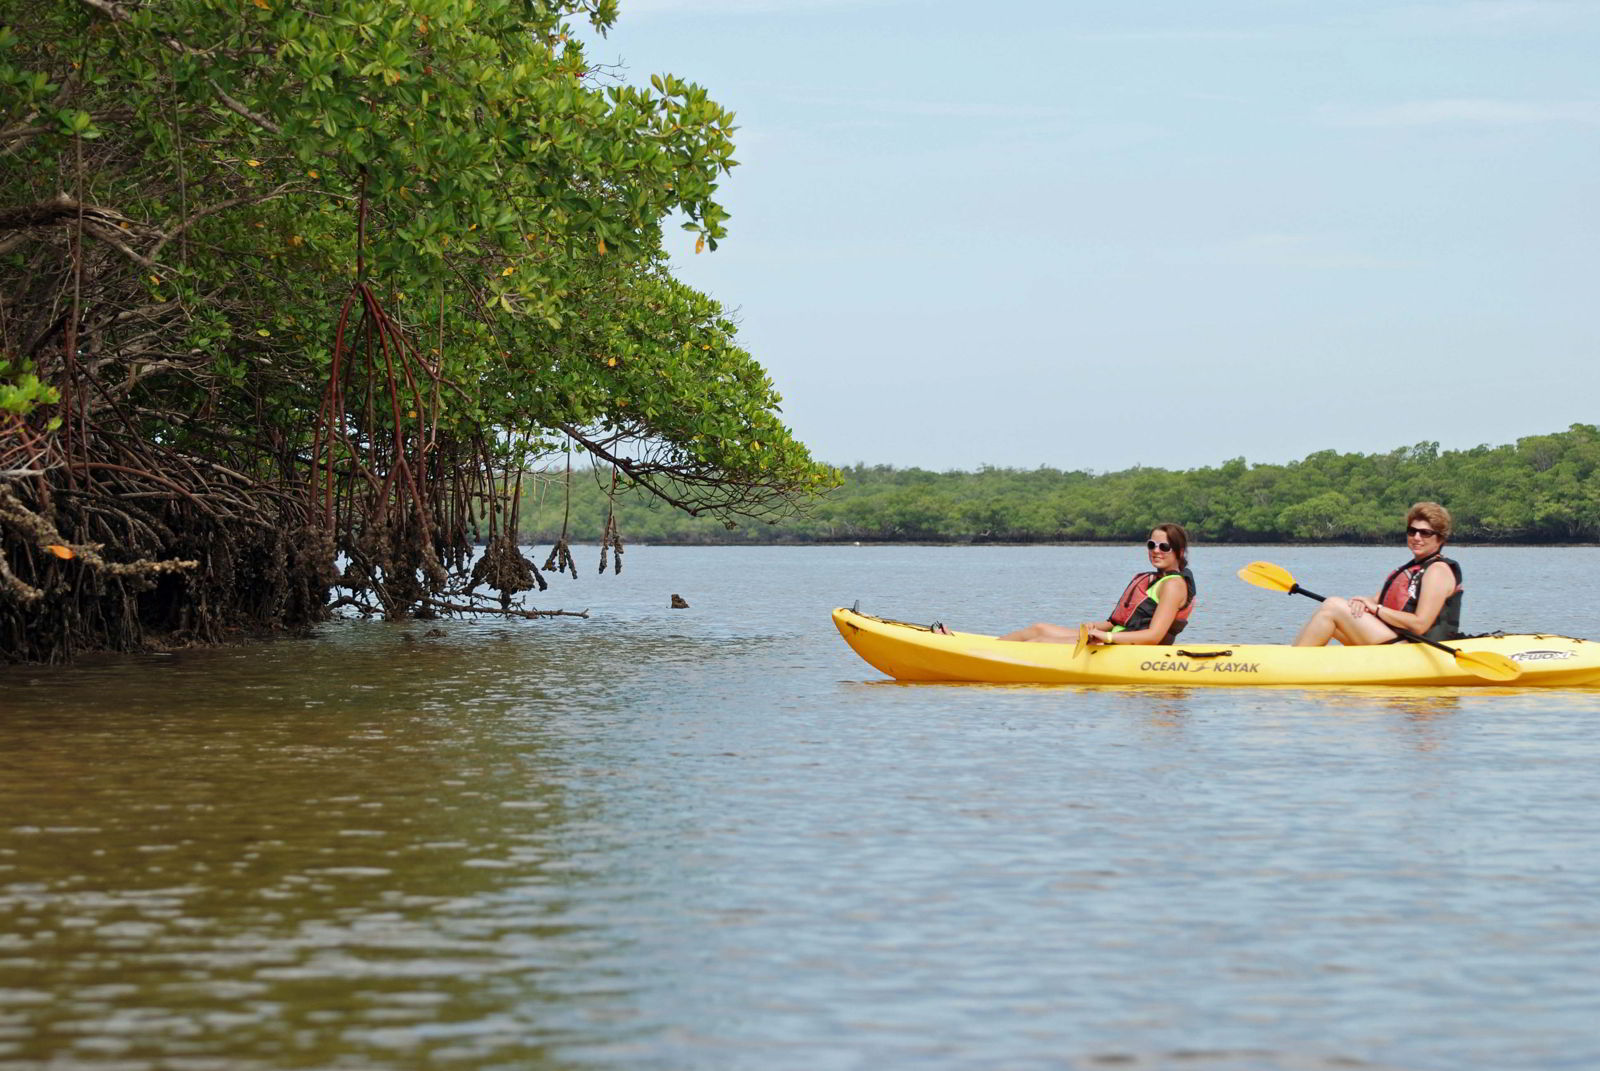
90 568
502 568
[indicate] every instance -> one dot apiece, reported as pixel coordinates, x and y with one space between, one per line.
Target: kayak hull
910 652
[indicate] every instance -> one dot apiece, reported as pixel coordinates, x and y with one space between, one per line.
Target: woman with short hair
1423 596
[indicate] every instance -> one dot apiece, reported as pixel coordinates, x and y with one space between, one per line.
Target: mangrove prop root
82 570
503 568
162 502
530 614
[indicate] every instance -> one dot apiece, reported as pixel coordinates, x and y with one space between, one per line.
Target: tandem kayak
910 652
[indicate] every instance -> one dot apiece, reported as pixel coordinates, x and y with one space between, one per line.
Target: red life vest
1137 607
1403 587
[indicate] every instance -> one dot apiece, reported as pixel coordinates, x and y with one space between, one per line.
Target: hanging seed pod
560 559
611 540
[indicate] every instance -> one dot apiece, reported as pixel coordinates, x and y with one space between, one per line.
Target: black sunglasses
1151 544
1412 530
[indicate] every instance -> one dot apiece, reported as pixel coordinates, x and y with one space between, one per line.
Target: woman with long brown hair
1154 607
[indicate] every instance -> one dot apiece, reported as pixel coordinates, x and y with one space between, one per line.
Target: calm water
713 838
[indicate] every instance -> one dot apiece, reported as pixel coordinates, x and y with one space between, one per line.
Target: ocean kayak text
1201 667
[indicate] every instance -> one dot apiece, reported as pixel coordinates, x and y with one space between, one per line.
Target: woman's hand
1359 606
1097 634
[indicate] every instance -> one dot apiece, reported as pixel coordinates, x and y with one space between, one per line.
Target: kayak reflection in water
1154 608
1422 596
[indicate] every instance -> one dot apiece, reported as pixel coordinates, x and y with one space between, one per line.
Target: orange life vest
1137 607
1403 587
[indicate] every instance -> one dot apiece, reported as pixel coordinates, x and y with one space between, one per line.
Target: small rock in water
678 603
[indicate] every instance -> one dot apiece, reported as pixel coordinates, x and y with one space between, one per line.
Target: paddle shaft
1412 636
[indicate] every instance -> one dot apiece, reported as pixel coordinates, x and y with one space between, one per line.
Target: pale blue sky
1007 234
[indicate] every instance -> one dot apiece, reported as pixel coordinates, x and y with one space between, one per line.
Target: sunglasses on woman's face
1420 533
1151 544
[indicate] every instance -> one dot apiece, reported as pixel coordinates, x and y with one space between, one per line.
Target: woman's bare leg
1043 632
1333 621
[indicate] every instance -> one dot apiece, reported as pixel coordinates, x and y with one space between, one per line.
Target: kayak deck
909 652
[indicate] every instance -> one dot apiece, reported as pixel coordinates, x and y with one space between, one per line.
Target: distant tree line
1542 489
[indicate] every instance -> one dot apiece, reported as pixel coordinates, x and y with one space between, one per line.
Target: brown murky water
712 838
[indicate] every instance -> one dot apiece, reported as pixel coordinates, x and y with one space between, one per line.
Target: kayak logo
1200 667
1540 656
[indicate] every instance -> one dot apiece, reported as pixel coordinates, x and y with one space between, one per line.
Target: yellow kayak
910 652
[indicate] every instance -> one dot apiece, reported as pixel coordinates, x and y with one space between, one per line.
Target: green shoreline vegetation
1542 489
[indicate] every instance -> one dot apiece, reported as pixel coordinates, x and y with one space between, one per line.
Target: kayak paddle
1485 664
1083 640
